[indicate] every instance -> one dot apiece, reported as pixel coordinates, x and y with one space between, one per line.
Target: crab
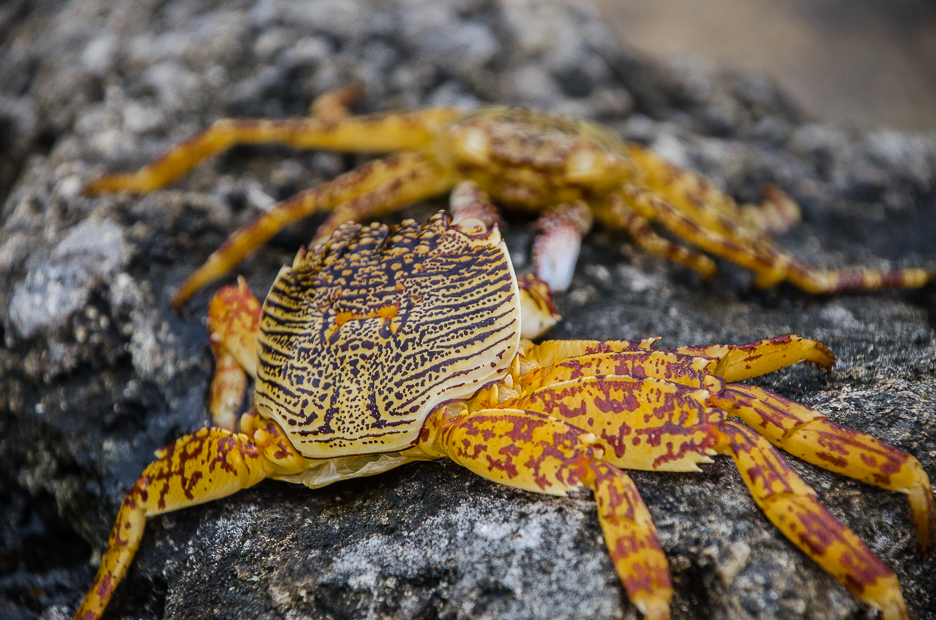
575 171
390 344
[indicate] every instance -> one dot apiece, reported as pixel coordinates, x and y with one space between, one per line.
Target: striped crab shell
370 332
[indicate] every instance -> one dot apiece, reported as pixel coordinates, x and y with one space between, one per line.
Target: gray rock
96 372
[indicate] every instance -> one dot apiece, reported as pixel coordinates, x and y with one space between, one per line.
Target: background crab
571 169
99 372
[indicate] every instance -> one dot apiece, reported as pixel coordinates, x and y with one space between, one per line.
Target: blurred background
864 63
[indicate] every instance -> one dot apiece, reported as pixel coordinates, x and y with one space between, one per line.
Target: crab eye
474 146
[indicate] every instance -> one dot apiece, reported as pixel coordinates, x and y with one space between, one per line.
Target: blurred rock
96 372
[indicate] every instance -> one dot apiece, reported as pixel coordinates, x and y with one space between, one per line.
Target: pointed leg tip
655 609
893 607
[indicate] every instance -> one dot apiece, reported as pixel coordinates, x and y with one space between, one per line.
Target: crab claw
537 311
556 250
468 201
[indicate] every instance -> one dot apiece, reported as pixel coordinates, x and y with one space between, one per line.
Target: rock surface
96 372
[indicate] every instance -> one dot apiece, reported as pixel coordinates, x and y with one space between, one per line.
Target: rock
97 372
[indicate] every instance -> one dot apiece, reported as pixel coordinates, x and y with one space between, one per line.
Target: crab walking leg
707 366
556 250
776 214
616 214
417 178
809 435
640 423
332 106
769 264
380 133
743 361
792 506
729 362
376 187
233 322
663 426
200 467
538 453
704 202
551 352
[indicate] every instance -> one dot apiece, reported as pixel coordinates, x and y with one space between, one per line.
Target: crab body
385 345
572 170
362 339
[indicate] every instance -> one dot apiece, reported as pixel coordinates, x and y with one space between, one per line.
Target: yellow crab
385 345
574 170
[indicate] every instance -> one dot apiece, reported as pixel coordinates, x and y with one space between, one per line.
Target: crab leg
209 464
233 322
743 361
702 201
551 352
374 188
617 214
659 425
776 214
792 506
667 365
631 416
756 253
467 200
379 133
808 434
542 454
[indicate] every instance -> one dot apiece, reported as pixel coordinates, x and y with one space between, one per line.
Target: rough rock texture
96 372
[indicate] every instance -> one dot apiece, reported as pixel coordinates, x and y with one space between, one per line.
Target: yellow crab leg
233 322
808 434
550 352
792 506
702 201
206 465
659 425
379 133
757 253
374 188
705 366
641 423
542 454
668 365
776 214
616 214
743 361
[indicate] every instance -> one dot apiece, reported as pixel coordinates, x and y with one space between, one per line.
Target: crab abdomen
369 333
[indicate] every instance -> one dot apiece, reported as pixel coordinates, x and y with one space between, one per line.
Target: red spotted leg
797 429
538 453
206 465
233 322
758 254
653 424
811 436
792 506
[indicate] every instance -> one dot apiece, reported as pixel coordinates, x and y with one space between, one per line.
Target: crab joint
280 455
